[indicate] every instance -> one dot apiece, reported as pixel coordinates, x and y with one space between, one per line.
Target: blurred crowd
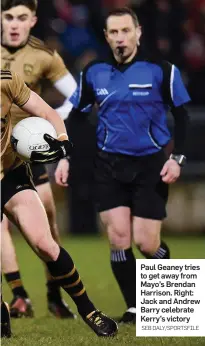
175 29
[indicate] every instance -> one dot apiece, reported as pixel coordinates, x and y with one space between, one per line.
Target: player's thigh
43 187
46 196
118 226
28 213
22 204
146 233
14 181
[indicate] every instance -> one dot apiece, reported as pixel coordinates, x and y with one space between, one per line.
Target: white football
27 136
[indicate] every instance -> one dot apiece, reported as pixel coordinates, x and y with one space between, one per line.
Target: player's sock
15 283
123 265
64 272
53 289
163 252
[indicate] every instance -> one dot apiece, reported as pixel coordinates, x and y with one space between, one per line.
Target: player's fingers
64 184
58 177
61 177
49 139
64 176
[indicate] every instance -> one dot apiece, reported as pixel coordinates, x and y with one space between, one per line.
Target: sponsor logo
140 93
102 92
39 147
18 187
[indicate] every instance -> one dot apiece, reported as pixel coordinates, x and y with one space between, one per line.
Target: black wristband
180 159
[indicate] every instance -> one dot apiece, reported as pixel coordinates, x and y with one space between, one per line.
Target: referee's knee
148 247
119 239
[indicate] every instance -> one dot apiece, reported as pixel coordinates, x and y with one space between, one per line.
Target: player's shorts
135 182
14 181
40 175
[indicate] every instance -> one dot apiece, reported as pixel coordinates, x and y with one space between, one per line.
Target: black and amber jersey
13 91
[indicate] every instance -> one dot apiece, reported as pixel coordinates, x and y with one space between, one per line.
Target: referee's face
122 36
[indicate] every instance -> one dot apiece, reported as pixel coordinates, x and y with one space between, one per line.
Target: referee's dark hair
7 4
121 12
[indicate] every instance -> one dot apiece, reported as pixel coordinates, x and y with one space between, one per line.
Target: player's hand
58 150
62 172
170 171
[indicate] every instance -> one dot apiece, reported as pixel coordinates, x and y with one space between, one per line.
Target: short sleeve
56 68
19 90
179 94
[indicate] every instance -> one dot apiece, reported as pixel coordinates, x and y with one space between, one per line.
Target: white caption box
170 297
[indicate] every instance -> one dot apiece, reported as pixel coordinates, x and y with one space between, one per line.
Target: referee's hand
170 171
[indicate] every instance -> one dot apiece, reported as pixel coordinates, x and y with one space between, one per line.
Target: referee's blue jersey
132 101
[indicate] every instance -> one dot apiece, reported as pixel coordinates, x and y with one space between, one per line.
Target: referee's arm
177 97
181 122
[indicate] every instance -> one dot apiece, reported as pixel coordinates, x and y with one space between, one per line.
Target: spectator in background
194 50
77 35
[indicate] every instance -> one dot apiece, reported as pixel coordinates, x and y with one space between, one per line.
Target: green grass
91 256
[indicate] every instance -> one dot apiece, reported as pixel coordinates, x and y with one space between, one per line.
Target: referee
133 94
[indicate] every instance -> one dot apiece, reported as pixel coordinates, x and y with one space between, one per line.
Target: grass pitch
91 256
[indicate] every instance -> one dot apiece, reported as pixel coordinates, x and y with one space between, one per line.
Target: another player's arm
62 80
82 100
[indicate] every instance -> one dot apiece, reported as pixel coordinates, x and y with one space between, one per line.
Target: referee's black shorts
135 182
40 175
14 181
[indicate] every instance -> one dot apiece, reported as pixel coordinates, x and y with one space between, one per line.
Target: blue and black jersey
133 100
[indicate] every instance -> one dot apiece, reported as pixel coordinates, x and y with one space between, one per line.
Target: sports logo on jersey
28 69
7 65
102 92
140 93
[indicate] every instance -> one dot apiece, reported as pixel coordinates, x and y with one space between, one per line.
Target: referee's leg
118 226
147 237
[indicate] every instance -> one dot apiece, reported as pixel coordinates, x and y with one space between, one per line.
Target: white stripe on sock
118 256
